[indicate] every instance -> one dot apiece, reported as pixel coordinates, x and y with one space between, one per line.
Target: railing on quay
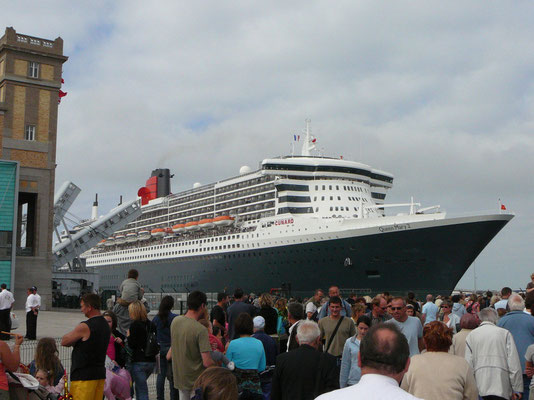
27 354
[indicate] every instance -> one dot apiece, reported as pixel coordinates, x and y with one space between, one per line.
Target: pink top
3 378
111 347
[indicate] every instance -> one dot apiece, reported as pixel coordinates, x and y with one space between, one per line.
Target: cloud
439 94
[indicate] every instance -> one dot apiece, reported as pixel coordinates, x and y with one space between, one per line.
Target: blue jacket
346 309
521 326
350 373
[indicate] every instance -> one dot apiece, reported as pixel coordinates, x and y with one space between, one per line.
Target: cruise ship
300 222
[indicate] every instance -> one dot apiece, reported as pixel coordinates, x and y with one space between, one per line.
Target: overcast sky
440 94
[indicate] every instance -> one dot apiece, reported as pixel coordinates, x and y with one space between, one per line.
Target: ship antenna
308 144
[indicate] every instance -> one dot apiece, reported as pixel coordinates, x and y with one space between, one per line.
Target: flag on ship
296 138
503 207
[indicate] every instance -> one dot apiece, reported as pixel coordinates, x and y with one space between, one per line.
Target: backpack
152 346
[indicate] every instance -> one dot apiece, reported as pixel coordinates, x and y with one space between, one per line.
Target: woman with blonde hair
140 365
269 313
358 310
215 383
46 358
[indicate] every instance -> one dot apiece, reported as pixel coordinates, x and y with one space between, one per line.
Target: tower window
33 69
29 133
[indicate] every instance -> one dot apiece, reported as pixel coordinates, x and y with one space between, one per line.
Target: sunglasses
397 308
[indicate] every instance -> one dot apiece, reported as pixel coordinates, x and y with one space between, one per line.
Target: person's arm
262 362
11 360
345 365
169 354
207 361
420 342
530 290
80 332
514 365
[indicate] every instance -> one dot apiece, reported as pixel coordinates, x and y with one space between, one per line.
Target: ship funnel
163 185
94 211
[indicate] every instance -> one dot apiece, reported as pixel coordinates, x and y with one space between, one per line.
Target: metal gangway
90 233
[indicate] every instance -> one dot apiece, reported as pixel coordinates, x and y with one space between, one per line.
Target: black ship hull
430 259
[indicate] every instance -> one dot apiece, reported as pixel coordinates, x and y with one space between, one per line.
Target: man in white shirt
33 303
6 302
384 358
430 310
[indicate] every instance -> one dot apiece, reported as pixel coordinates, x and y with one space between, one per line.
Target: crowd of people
324 347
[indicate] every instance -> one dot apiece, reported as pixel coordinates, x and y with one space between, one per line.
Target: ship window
316 209
316 187
331 197
322 198
330 187
323 187
339 197
337 187
337 208
331 208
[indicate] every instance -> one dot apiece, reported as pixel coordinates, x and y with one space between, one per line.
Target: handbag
152 346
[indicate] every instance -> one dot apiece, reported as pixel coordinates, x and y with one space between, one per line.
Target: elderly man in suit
306 372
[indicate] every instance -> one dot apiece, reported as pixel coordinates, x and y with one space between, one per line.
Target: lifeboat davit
131 237
178 228
192 226
109 242
223 220
143 235
158 232
206 223
120 239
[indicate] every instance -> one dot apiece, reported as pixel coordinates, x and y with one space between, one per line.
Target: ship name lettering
394 227
284 221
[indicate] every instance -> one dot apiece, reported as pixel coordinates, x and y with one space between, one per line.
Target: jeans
165 371
140 372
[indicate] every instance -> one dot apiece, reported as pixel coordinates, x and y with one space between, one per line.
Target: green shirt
188 340
346 330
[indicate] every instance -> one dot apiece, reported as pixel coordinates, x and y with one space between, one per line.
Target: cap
310 307
259 322
34 288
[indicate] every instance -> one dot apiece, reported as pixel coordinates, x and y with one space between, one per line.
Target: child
216 345
44 380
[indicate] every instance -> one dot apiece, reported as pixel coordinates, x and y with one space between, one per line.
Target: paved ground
51 323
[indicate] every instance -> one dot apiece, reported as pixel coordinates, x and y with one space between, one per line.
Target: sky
440 94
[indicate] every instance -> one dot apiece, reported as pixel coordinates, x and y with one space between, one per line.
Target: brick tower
30 79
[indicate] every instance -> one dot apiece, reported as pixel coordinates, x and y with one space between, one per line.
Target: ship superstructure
307 221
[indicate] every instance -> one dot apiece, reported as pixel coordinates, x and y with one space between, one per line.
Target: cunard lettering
284 221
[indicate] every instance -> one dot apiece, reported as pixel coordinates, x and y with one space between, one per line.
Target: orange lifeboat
169 231
101 243
206 223
223 220
158 232
192 226
178 228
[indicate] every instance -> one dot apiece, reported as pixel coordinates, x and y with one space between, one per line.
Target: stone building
30 80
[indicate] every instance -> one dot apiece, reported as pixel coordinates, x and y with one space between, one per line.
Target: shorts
87 390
